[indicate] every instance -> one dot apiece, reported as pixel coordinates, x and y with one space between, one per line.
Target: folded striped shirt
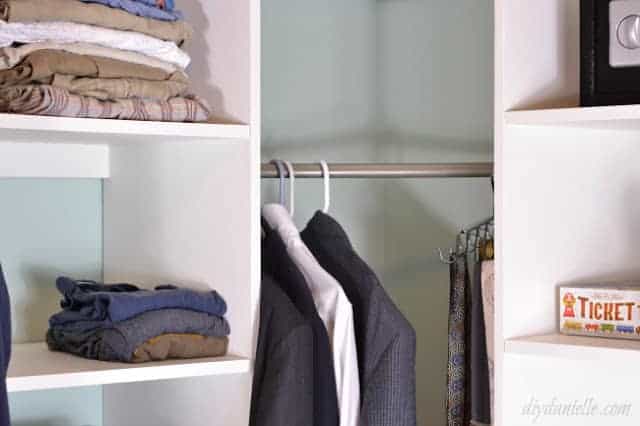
55 101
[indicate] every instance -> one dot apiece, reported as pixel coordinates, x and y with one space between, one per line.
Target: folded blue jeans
118 341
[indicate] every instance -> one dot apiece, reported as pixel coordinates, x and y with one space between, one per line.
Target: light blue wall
387 80
48 228
63 407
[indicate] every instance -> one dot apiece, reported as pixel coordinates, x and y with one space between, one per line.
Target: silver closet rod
387 170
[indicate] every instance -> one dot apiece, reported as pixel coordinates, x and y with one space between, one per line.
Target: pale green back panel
63 407
48 228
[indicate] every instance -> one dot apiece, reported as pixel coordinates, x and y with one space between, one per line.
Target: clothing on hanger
479 380
277 263
488 304
333 307
386 342
283 374
458 374
5 349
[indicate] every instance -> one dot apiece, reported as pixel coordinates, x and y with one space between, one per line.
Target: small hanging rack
469 240
387 170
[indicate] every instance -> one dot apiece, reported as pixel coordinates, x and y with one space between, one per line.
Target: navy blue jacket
5 348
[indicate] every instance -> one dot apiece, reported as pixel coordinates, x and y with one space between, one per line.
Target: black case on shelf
600 83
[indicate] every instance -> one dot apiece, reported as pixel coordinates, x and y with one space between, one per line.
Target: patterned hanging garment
458 401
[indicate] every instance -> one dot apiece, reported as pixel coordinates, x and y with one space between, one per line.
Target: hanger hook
281 177
326 176
292 184
443 259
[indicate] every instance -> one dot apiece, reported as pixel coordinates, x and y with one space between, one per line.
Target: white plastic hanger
326 176
292 184
280 168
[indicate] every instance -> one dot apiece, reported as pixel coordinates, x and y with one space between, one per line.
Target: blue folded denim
90 301
168 4
141 9
118 341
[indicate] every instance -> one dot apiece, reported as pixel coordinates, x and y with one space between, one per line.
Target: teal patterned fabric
458 374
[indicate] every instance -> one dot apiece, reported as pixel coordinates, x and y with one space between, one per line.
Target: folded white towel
68 32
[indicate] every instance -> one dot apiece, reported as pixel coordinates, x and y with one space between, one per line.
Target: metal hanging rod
387 170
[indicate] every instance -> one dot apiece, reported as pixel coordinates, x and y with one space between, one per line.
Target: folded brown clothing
118 88
180 346
50 100
42 64
92 14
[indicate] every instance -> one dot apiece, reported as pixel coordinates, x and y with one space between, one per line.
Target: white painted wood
541 53
499 108
255 161
566 209
222 54
198 401
19 160
93 130
543 391
182 213
34 367
557 345
607 117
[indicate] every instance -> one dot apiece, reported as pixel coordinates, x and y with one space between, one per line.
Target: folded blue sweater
141 9
90 301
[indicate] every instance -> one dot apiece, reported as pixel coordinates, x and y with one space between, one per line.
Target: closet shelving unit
567 197
180 204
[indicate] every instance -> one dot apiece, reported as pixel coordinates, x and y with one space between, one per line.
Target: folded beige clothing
12 56
115 88
42 64
180 346
92 14
50 100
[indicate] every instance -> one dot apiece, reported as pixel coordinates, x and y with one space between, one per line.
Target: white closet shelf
101 131
34 367
575 347
606 117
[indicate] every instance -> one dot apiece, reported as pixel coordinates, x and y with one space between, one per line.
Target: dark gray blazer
277 263
283 377
385 340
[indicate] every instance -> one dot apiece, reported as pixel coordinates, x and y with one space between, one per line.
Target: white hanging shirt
333 307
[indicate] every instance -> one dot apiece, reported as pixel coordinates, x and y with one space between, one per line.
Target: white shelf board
43 160
575 347
34 367
103 131
618 117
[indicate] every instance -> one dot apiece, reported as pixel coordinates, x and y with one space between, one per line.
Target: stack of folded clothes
120 322
96 58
